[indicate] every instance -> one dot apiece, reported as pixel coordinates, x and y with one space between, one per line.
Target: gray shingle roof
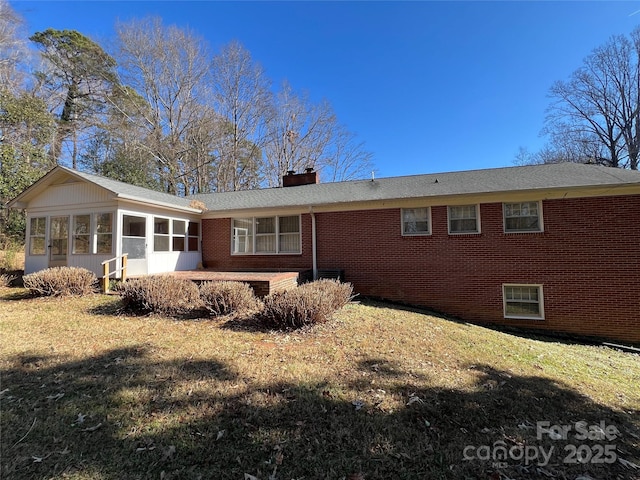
496 180
509 179
133 192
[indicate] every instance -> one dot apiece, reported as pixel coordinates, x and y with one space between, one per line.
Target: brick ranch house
546 247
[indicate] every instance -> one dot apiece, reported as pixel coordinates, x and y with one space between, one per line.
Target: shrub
307 304
6 280
225 297
161 294
59 281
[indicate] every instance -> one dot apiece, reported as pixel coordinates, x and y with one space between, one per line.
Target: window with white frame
161 239
265 235
104 233
523 301
37 231
522 217
81 241
464 219
178 236
416 221
193 236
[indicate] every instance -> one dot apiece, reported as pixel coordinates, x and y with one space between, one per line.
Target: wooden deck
263 283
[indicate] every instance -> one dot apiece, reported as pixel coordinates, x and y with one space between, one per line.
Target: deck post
105 277
124 267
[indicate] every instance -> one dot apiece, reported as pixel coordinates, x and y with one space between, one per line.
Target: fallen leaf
358 404
249 477
220 434
414 399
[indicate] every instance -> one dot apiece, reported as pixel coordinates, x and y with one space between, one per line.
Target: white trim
467 232
540 301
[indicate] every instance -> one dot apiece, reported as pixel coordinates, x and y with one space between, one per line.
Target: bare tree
168 67
13 48
242 98
347 158
306 135
300 134
597 109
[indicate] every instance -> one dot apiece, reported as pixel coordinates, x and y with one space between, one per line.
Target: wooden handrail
107 274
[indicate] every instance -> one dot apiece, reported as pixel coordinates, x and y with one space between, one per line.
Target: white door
134 243
58 241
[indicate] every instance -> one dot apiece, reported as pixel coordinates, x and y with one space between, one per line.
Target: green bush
60 281
225 297
307 304
162 294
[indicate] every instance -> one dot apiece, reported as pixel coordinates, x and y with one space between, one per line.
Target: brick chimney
293 179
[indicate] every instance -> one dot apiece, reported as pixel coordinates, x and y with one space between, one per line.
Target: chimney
293 179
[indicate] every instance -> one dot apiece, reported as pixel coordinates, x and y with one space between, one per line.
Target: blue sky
428 86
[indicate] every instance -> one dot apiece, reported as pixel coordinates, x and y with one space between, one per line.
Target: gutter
314 248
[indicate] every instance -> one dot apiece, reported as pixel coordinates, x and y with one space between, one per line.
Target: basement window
265 235
523 301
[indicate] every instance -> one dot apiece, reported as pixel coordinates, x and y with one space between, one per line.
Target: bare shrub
61 281
307 304
6 280
225 297
162 294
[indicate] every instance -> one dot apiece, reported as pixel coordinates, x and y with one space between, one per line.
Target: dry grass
381 392
12 259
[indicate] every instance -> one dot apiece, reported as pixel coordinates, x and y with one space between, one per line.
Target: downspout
314 250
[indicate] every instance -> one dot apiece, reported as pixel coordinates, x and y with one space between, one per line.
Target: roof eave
144 201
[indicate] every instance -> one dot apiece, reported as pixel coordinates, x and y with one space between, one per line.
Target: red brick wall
587 259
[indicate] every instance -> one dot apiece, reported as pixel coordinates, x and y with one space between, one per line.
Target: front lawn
380 393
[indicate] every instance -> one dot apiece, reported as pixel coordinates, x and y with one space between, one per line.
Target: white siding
71 195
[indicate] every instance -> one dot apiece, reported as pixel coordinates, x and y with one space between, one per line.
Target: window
464 219
523 301
193 236
522 217
104 233
265 235
81 234
37 230
160 234
415 221
289 234
178 236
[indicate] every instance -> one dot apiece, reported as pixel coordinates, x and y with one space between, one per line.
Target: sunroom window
37 231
